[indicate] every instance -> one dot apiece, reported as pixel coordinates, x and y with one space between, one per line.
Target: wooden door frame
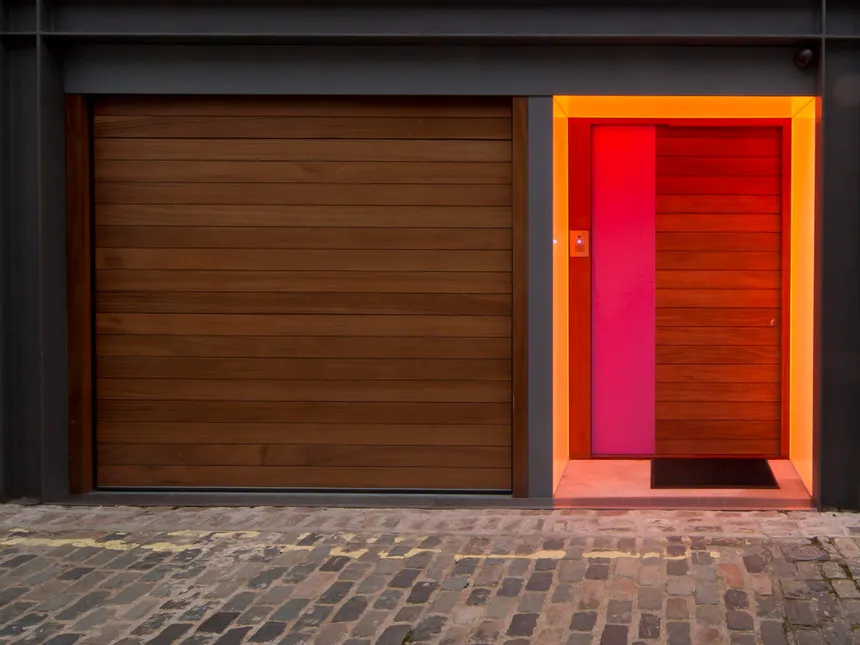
785 293
579 289
579 218
80 301
520 288
79 290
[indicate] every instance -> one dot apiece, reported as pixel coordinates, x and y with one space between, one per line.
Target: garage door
303 293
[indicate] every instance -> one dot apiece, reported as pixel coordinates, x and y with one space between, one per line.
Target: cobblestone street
386 577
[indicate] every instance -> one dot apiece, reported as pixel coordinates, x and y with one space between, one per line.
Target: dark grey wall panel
843 17
35 417
818 301
540 296
525 71
499 70
5 206
839 280
18 16
439 19
22 336
51 287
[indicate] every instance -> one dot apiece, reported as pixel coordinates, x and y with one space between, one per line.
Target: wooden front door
303 293
719 290
688 262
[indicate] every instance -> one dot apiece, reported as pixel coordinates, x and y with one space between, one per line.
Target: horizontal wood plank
359 412
719 410
710 374
707 145
369 282
713 317
318 456
300 325
313 150
719 336
307 172
749 430
719 166
343 347
292 477
695 391
718 241
116 433
314 238
706 447
306 194
742 132
729 298
266 127
731 280
718 355
753 204
719 223
302 260
395 106
713 185
248 302
325 217
294 369
717 261
303 390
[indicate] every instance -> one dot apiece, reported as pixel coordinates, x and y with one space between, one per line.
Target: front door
687 268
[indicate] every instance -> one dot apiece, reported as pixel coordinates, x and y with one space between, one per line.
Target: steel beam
50 290
421 70
520 20
839 278
21 218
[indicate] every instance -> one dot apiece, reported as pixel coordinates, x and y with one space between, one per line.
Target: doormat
669 472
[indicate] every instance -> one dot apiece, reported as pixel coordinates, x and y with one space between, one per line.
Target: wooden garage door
719 277
303 293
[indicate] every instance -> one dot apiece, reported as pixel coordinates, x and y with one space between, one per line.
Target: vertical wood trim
579 146
785 314
520 438
79 290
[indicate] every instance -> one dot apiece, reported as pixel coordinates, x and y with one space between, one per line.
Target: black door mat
671 472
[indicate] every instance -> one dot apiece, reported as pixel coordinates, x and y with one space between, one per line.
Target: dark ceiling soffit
409 21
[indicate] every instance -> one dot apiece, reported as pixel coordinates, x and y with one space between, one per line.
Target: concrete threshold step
698 503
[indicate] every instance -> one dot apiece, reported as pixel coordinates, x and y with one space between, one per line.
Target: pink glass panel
623 247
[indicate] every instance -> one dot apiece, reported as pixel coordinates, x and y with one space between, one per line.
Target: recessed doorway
683 293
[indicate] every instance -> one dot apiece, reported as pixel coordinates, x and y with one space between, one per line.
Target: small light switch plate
580 246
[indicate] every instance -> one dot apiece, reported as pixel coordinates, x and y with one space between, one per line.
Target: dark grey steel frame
528 48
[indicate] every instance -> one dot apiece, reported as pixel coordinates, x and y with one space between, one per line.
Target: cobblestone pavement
387 577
